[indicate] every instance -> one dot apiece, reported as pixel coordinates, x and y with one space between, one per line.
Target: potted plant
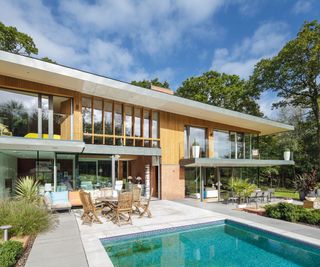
286 154
306 184
242 189
195 149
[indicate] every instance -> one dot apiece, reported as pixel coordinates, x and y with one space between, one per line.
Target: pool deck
73 244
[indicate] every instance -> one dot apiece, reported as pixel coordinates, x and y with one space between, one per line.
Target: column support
55 172
218 176
113 170
202 173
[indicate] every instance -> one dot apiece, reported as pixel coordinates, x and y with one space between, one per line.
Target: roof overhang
212 162
122 150
21 143
56 75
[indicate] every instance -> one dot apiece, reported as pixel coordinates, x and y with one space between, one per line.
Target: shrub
242 188
293 213
10 252
27 189
26 218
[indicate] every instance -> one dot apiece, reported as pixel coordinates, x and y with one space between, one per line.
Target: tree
222 90
295 75
147 83
11 40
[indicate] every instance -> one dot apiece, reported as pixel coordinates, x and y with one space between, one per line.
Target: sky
169 39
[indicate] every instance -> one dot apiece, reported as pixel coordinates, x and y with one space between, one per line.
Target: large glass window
97 116
108 117
146 127
18 114
45 115
137 122
61 117
232 145
221 144
195 135
86 115
118 119
128 114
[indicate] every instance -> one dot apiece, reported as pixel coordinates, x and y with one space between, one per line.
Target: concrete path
60 247
230 210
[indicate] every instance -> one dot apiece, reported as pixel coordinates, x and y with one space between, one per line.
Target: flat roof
36 70
212 162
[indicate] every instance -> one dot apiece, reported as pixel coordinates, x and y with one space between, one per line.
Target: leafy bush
27 189
242 188
26 218
293 213
10 252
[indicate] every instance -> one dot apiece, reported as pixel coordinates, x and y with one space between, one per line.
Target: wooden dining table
109 202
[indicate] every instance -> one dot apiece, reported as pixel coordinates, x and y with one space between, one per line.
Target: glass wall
110 123
19 113
232 145
195 135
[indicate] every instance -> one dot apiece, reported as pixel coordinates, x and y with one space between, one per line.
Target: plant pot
311 198
242 206
318 192
286 155
302 195
195 151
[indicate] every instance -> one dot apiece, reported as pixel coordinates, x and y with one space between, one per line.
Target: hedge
293 213
10 252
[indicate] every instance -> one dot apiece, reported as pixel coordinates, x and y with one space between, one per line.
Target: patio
90 252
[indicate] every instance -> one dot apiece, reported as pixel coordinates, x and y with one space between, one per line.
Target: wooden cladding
113 123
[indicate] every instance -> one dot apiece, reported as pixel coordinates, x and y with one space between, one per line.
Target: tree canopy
222 90
11 40
294 73
147 83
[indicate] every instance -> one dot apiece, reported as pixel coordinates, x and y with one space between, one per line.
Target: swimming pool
222 243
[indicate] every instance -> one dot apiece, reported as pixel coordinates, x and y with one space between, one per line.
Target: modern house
75 129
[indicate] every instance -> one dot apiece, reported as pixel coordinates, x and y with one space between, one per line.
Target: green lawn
286 194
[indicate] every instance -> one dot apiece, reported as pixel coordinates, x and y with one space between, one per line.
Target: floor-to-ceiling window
193 136
113 123
232 145
30 115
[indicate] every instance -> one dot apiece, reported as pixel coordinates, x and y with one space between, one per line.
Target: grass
285 193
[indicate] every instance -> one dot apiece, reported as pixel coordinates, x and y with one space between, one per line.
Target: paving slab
61 246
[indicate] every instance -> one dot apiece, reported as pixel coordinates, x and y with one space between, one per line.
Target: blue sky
172 40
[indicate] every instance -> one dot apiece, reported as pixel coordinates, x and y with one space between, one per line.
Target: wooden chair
123 209
89 210
136 195
144 206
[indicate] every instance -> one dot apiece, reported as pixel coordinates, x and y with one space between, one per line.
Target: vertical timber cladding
172 147
29 86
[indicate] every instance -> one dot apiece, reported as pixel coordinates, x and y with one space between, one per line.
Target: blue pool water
221 244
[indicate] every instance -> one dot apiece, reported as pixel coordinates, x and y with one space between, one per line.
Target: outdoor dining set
257 196
115 205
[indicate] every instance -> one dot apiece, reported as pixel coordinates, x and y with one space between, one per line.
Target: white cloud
266 41
302 7
265 102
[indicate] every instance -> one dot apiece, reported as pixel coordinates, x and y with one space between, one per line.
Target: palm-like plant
27 189
242 188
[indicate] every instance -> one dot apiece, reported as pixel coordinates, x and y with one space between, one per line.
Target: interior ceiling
42 72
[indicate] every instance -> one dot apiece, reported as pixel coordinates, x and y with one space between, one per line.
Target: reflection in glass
146 123
108 117
195 135
137 122
155 124
61 117
233 144
128 118
118 119
240 146
97 116
87 115
221 144
248 148
45 114
18 113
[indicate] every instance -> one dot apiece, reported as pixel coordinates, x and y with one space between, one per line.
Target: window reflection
86 115
195 136
137 122
97 116
61 117
18 114
118 119
221 144
108 117
128 120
